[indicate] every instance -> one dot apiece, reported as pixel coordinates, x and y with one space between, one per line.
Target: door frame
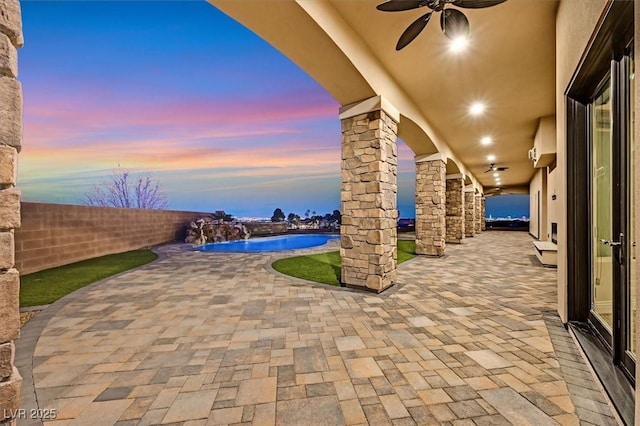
614 33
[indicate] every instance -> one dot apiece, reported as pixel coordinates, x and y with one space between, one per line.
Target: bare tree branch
121 190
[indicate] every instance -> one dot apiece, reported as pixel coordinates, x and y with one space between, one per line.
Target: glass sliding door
601 173
611 186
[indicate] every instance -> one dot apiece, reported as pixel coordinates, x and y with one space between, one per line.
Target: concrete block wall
58 234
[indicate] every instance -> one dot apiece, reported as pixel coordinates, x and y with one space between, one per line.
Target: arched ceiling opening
348 47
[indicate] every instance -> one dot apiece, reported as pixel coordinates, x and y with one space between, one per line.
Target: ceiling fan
494 168
454 23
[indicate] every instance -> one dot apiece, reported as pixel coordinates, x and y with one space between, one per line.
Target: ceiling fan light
454 24
458 44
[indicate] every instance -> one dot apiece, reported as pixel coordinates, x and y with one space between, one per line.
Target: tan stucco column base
10 143
369 194
469 211
455 209
431 179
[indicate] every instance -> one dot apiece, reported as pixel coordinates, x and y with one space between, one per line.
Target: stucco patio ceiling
349 48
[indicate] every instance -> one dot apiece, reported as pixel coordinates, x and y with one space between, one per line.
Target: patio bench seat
547 253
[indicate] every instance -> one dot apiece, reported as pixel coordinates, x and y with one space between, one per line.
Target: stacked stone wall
483 214
455 211
478 215
430 207
369 206
469 214
10 144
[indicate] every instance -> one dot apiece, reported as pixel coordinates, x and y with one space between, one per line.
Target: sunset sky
178 90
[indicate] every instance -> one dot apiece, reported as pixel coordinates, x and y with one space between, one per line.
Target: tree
122 190
278 216
337 216
291 217
223 216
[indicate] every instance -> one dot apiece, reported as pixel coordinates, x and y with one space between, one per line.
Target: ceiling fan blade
400 5
476 4
413 30
454 24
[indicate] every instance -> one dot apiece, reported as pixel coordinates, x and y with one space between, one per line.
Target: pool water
285 242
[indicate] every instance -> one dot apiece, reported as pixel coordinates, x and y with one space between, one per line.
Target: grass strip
45 287
325 267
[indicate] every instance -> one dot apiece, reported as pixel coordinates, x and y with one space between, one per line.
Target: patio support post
455 209
10 143
369 194
483 214
478 217
431 173
469 211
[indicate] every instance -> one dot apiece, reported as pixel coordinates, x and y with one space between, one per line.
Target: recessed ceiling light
458 44
477 108
496 174
491 158
486 140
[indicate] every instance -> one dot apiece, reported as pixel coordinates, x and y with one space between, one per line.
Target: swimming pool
284 242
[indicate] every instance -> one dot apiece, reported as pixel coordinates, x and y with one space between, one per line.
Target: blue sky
178 90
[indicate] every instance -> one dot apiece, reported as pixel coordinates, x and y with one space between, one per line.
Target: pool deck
202 338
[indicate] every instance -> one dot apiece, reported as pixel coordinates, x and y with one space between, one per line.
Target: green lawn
325 267
45 287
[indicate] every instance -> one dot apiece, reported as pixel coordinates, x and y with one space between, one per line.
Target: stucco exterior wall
553 205
534 217
575 23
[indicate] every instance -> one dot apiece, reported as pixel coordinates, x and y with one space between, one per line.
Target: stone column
431 173
483 214
455 209
369 194
478 217
10 142
469 211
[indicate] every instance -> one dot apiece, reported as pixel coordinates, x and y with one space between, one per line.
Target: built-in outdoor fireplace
554 233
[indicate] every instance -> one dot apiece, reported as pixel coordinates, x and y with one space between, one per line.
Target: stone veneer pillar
483 214
469 212
478 217
369 194
455 209
10 143
431 179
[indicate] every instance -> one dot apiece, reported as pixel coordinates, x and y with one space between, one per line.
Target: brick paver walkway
208 338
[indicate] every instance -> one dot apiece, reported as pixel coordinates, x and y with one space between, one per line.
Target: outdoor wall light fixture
454 23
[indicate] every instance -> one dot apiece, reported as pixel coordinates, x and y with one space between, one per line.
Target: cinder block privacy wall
59 234
10 143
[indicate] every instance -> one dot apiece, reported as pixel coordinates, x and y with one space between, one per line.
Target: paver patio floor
210 338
